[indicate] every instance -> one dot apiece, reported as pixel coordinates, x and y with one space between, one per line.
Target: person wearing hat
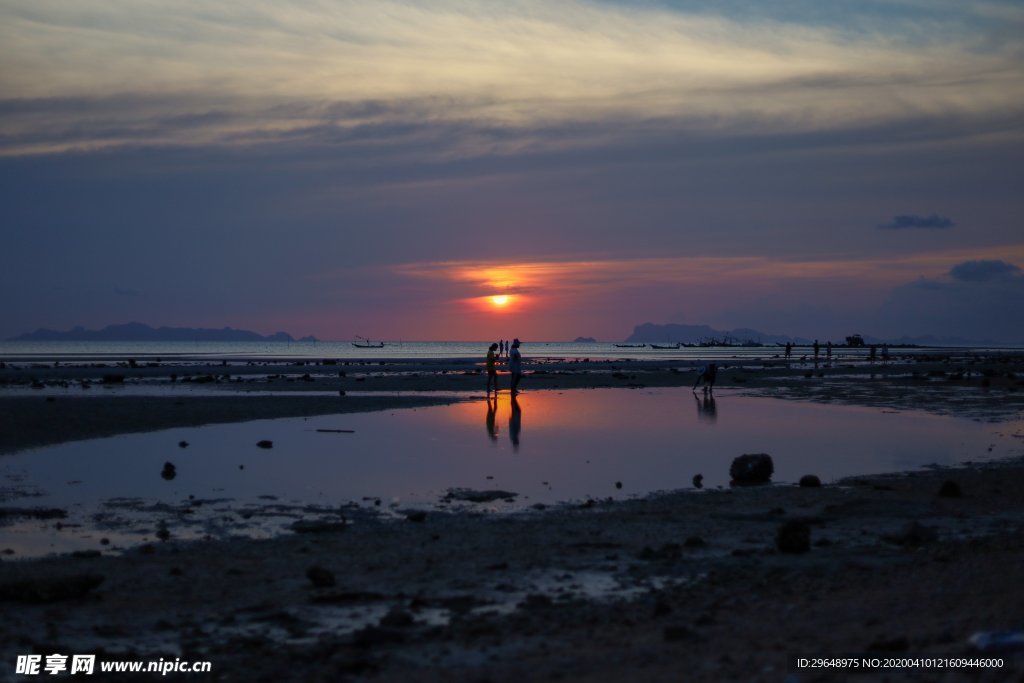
515 365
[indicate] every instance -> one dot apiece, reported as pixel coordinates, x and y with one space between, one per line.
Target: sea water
547 447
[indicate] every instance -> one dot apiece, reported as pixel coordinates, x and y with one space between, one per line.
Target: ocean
50 351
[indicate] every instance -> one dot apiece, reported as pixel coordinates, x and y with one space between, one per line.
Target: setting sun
500 300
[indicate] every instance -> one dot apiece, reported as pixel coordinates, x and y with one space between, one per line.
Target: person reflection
492 411
515 423
706 409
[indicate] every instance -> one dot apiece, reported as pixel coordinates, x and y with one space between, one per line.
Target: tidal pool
547 447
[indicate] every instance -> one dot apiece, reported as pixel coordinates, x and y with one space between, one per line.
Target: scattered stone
913 535
810 481
752 468
163 533
310 526
678 632
416 516
320 577
33 513
694 542
397 618
950 489
49 589
474 496
618 484
373 636
698 481
265 443
86 554
169 471
793 536
183 444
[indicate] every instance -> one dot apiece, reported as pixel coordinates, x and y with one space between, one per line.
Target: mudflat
688 585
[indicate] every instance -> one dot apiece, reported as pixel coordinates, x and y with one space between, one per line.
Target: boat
365 343
631 346
677 345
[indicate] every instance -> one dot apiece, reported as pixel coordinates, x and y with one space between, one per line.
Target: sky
481 170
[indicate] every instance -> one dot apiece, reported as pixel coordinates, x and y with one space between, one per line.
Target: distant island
584 340
136 332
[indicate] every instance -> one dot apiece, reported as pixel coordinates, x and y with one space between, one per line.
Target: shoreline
901 564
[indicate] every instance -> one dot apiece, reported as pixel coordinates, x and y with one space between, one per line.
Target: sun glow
500 300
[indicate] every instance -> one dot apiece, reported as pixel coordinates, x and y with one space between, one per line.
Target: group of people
514 360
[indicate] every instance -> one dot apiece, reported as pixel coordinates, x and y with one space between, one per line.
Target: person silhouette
515 422
515 366
707 373
492 370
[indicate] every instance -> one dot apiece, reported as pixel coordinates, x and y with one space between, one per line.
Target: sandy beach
706 586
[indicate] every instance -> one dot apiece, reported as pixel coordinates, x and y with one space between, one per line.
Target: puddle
547 447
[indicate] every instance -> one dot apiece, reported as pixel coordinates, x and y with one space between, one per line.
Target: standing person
789 350
816 348
492 370
828 354
515 366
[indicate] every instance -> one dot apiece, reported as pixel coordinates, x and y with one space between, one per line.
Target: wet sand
682 586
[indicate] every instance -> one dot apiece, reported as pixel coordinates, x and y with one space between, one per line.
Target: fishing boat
364 343
631 346
677 345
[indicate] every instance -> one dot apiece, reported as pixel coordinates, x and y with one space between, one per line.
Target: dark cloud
932 222
983 271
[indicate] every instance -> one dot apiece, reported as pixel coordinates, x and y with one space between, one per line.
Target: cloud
912 221
983 271
978 299
237 71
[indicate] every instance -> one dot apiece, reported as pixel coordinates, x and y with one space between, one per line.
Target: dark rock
397 618
86 554
33 513
473 496
793 536
169 471
950 489
416 516
49 589
914 534
373 636
320 577
163 533
183 444
113 379
698 481
752 468
309 526
265 443
618 484
674 634
694 542
810 481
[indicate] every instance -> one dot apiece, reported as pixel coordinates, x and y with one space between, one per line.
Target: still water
547 447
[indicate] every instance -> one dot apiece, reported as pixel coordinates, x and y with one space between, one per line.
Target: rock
86 554
694 542
752 468
265 443
416 516
309 526
397 618
950 489
793 536
698 481
474 496
373 636
49 589
914 534
810 481
163 533
169 471
183 444
320 577
33 513
618 484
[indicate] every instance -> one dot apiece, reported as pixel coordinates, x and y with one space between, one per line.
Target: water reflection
492 411
515 423
706 408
